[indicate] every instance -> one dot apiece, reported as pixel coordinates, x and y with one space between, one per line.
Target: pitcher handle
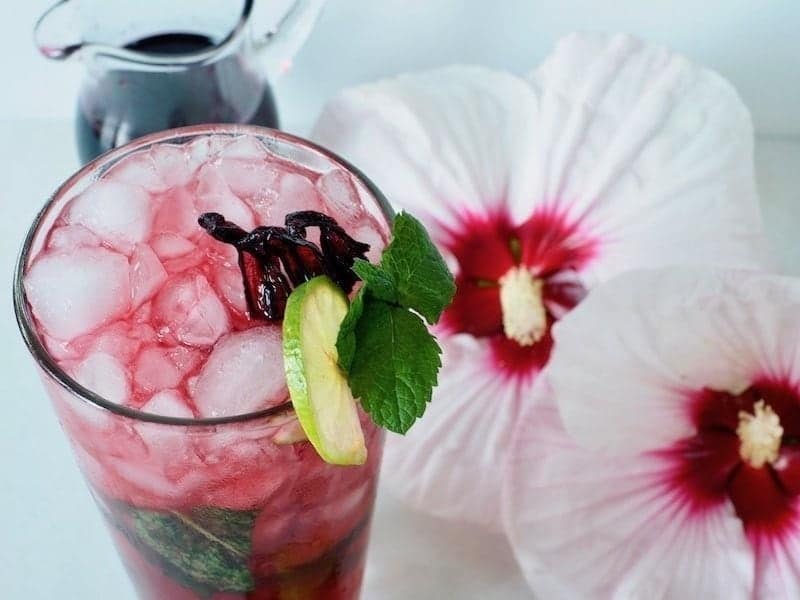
279 45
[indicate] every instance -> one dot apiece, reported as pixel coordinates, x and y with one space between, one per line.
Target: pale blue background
52 544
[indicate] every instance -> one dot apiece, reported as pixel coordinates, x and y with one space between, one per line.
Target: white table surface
52 541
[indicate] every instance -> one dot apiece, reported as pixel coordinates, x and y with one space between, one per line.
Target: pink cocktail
172 394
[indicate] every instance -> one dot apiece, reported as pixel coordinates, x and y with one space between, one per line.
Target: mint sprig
384 346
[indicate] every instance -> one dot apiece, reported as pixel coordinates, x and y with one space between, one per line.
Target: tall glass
221 508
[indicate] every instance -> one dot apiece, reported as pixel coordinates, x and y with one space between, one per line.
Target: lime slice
319 390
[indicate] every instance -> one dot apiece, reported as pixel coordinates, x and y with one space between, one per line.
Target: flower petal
629 358
450 463
650 152
438 143
779 567
586 526
475 309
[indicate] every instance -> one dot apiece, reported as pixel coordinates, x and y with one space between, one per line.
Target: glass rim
22 311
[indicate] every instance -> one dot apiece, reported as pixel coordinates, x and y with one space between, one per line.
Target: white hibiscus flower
681 389
614 155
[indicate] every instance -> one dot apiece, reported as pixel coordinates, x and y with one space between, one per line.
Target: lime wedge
319 390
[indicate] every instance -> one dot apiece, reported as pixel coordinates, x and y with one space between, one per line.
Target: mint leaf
395 366
346 340
381 284
423 281
391 358
206 549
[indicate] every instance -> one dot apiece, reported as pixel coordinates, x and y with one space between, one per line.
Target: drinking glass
215 508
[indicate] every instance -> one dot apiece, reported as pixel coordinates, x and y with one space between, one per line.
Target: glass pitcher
155 64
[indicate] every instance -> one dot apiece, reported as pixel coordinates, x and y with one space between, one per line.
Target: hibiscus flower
614 155
681 391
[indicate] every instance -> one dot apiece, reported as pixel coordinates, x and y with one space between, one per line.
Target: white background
52 544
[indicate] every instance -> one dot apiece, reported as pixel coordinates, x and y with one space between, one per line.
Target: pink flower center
491 252
747 451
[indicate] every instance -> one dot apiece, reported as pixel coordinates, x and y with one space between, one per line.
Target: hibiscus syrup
171 392
122 104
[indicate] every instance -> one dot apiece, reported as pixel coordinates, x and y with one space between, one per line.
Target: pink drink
172 395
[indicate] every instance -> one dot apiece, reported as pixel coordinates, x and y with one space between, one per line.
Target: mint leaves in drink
384 346
206 549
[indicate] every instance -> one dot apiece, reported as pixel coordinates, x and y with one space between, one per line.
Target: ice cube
58 349
243 166
206 149
118 213
369 232
147 274
214 195
168 403
171 245
73 294
224 255
340 196
142 314
235 473
290 433
172 164
114 339
143 483
143 332
185 359
191 384
178 214
184 263
244 147
249 181
91 467
70 237
85 422
105 376
158 367
137 169
244 373
280 533
188 310
294 193
230 286
154 371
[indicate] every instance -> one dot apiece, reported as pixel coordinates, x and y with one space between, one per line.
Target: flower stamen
524 315
760 435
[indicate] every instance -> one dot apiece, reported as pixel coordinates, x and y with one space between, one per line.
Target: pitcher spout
57 34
